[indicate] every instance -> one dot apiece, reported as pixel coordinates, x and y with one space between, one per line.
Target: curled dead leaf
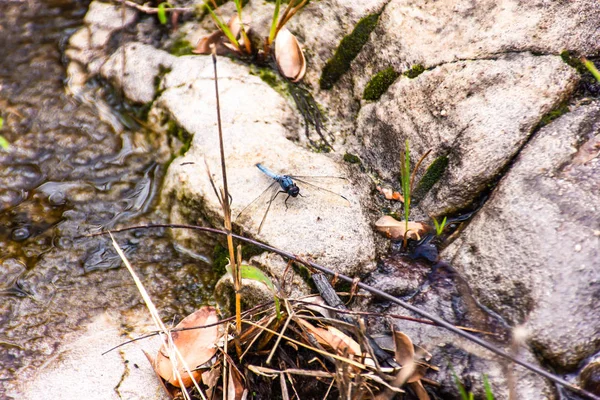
390 194
333 338
395 229
197 346
289 56
204 44
219 39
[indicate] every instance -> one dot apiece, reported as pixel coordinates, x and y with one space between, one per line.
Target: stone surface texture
256 121
531 253
143 63
493 71
478 114
80 370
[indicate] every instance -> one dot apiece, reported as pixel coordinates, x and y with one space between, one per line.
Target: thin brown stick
153 10
237 277
414 173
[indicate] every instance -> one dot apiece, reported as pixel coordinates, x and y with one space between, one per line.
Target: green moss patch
573 62
351 158
379 83
181 47
348 49
181 134
271 78
433 174
556 112
414 71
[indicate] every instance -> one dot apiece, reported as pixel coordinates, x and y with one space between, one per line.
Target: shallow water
68 174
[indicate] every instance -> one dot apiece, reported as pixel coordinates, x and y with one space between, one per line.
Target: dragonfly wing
263 200
303 181
273 197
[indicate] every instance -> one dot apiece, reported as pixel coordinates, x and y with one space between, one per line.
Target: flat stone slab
256 124
531 253
477 113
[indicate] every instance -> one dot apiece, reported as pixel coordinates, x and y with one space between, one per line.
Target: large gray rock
80 370
256 121
531 254
446 295
433 33
477 113
143 63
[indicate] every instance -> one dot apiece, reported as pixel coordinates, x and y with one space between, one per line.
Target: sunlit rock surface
256 123
80 370
531 253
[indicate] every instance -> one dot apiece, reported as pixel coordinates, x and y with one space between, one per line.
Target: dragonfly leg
285 202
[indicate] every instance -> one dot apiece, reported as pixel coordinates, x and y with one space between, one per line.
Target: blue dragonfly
285 184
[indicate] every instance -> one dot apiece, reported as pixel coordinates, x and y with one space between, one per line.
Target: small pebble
578 247
20 234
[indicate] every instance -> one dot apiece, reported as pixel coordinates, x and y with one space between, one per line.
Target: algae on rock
348 49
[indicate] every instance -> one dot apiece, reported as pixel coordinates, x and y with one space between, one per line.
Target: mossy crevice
351 158
433 174
181 47
553 114
414 71
174 130
347 50
271 78
379 84
573 62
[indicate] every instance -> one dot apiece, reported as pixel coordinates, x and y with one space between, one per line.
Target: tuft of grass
439 227
414 71
278 21
379 83
470 396
405 180
223 26
348 49
489 395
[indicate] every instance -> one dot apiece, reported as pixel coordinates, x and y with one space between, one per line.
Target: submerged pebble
20 234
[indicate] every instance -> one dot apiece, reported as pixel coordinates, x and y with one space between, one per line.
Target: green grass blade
4 143
223 27
488 389
591 67
256 274
459 385
274 22
238 7
405 180
162 13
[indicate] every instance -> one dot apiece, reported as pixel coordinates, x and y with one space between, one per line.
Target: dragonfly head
294 190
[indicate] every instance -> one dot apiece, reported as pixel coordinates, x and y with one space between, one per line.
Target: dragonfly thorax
288 186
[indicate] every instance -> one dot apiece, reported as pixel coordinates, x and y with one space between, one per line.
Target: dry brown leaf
390 194
395 229
333 338
197 346
420 391
210 379
204 44
235 387
289 56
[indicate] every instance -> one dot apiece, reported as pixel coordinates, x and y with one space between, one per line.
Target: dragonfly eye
294 191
